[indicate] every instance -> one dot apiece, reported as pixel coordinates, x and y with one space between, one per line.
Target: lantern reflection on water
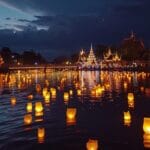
41 135
127 118
13 101
71 116
146 129
28 119
29 107
92 145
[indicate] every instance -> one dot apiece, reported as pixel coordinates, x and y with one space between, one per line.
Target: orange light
29 107
71 116
92 145
28 119
41 135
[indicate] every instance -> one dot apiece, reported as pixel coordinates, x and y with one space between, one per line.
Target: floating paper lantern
41 135
127 118
53 92
130 103
146 125
130 96
66 96
38 107
92 145
71 116
28 119
125 85
29 107
142 88
47 97
44 92
13 101
79 92
70 92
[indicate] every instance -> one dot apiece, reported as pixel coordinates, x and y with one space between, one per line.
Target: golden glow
30 96
92 145
53 93
38 88
41 135
130 96
44 91
71 116
70 92
146 140
47 97
13 101
38 107
66 96
29 107
28 119
127 118
146 125
79 92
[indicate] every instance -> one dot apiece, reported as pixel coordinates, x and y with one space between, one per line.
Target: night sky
56 27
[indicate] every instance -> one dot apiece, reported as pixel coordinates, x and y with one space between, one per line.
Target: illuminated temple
87 61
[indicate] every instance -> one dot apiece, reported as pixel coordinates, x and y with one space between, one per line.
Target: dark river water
64 109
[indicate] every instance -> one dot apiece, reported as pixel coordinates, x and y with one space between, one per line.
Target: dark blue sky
57 27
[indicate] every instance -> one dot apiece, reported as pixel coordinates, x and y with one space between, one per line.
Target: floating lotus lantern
71 116
29 107
92 145
127 118
130 96
28 119
41 135
79 92
13 101
30 96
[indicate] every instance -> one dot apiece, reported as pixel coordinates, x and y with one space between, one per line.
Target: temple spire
91 47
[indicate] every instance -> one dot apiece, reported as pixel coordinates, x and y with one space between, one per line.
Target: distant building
87 61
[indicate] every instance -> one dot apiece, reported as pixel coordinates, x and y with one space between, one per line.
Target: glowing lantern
28 119
38 107
71 116
130 103
44 92
93 92
53 92
130 96
41 135
146 125
125 85
38 88
13 101
142 89
92 145
47 97
71 92
47 82
66 96
127 118
30 97
29 107
79 92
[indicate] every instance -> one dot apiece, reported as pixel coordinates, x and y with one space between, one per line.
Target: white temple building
87 61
